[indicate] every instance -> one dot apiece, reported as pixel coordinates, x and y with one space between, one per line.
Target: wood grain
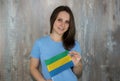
98 30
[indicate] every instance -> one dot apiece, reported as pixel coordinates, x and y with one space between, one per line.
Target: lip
61 28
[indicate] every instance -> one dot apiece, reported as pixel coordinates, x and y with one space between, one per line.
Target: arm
76 58
34 63
77 69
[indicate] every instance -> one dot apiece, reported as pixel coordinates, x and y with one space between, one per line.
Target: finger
70 54
74 52
75 56
78 59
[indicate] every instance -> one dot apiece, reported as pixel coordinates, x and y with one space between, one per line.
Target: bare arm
77 69
34 63
76 58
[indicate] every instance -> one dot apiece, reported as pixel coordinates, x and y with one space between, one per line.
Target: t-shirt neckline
53 40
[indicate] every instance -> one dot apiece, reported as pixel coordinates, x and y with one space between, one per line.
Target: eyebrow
62 18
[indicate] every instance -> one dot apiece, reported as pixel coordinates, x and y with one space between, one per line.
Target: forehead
64 14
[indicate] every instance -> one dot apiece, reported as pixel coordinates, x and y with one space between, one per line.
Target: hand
75 57
48 80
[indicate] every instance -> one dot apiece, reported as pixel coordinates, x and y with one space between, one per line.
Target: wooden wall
98 30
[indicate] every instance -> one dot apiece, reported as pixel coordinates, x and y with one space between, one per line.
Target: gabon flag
59 63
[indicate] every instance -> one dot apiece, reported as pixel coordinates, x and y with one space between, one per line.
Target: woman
61 38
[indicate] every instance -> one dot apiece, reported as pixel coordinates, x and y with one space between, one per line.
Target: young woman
61 38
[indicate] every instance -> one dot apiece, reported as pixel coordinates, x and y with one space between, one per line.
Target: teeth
61 28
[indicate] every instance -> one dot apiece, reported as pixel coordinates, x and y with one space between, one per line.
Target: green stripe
57 57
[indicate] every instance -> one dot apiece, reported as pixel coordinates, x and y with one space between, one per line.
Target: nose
63 24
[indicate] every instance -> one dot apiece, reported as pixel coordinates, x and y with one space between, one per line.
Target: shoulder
77 47
42 39
76 43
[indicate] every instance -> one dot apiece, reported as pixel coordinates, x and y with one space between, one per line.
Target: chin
62 32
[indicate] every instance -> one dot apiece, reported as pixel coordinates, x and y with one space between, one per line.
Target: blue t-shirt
45 48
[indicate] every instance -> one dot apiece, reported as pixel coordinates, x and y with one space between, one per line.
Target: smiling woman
61 13
61 23
98 31
54 51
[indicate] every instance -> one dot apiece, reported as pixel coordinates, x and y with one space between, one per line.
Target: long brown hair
68 37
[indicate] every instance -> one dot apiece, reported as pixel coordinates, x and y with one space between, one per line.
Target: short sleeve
35 52
77 47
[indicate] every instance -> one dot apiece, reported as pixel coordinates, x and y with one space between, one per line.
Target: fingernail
71 55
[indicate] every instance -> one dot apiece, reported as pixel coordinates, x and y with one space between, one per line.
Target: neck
56 37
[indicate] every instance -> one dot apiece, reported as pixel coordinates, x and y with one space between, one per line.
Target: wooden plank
98 29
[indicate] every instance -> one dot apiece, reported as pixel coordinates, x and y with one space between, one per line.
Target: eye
67 22
59 19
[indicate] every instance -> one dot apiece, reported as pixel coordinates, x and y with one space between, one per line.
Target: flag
59 63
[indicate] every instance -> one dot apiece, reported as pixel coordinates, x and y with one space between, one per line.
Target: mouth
61 28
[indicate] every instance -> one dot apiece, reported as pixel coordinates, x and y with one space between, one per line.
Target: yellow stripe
59 63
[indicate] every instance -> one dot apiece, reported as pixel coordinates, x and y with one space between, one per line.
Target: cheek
56 24
67 26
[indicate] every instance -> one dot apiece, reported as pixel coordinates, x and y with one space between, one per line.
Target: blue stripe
62 68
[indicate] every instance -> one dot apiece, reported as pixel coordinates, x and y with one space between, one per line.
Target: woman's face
61 23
